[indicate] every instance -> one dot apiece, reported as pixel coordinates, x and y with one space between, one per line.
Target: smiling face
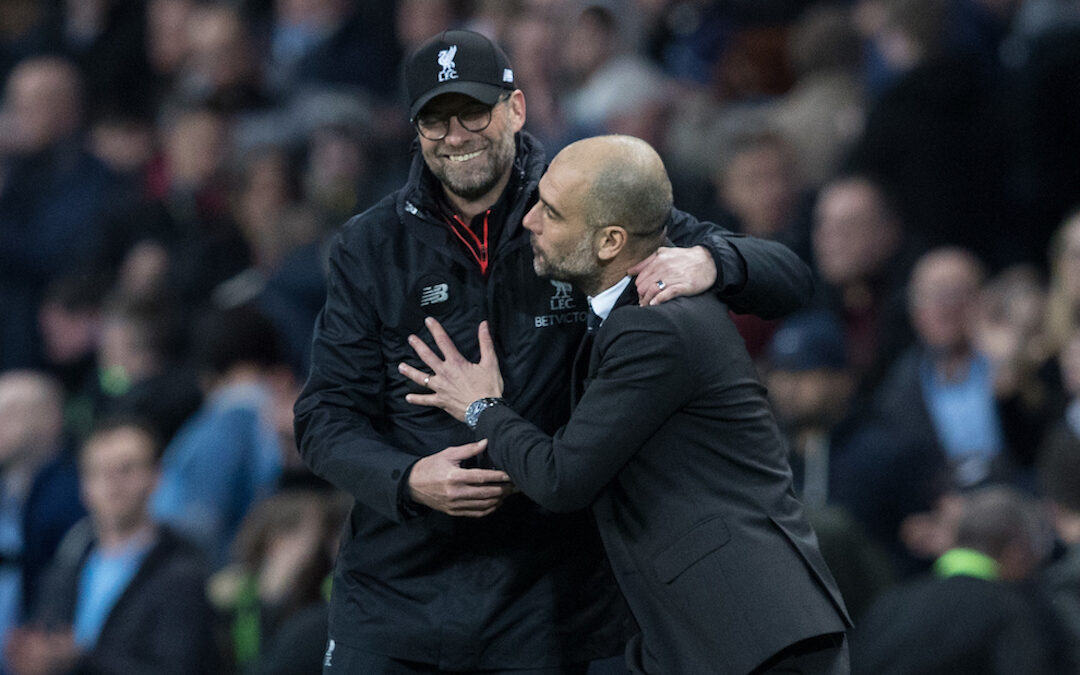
474 166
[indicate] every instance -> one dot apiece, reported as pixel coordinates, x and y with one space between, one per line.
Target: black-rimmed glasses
475 118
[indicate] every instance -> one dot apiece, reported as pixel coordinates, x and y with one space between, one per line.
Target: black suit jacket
674 446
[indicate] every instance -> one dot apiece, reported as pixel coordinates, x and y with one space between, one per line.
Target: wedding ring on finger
660 284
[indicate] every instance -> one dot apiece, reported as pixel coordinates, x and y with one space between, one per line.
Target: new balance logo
446 60
432 295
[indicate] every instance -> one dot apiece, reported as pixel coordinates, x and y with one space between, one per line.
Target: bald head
31 417
943 298
603 206
625 184
43 98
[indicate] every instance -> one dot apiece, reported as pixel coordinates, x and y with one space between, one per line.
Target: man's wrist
477 407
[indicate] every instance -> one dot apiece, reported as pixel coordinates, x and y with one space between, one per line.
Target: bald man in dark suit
671 442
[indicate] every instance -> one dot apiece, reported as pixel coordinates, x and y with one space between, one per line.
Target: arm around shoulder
754 276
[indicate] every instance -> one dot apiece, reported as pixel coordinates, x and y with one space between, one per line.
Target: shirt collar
603 302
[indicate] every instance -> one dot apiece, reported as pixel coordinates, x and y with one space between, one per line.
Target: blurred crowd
171 170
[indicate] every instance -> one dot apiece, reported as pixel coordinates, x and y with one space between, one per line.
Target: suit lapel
585 363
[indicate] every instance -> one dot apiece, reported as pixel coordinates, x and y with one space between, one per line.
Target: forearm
754 276
344 450
529 456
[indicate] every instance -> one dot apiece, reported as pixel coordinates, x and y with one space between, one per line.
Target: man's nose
530 220
455 132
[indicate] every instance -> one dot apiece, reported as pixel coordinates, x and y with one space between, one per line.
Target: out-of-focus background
171 170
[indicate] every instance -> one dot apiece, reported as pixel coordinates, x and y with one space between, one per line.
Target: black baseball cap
459 61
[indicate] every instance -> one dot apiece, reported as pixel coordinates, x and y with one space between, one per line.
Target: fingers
668 293
428 400
416 375
487 345
479 501
478 510
646 291
442 340
461 452
430 359
646 273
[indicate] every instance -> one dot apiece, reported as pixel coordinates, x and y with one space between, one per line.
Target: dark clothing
522 587
958 625
880 474
674 446
52 506
53 205
940 140
204 245
900 399
297 645
161 623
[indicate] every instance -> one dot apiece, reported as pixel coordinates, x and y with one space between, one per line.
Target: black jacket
958 625
522 587
160 624
674 446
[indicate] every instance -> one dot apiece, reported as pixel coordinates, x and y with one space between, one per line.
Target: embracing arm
753 276
643 378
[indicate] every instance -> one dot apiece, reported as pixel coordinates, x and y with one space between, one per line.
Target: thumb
458 453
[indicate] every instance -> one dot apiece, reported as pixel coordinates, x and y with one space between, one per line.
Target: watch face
472 413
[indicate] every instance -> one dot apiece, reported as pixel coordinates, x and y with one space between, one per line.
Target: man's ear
612 240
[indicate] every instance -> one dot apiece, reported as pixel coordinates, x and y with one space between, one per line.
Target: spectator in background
139 371
758 191
39 489
607 88
285 238
333 42
226 456
942 389
939 136
862 254
1064 432
1059 480
54 196
123 594
220 69
69 320
971 616
1063 299
759 184
823 113
106 38
847 460
181 241
276 593
1010 330
533 42
167 43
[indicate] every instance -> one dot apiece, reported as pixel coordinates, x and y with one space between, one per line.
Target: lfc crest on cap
446 60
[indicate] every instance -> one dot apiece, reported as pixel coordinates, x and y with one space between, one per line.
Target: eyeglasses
474 118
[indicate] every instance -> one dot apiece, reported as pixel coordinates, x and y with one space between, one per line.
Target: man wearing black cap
443 568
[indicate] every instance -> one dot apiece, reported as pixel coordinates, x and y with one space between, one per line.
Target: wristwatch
472 413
